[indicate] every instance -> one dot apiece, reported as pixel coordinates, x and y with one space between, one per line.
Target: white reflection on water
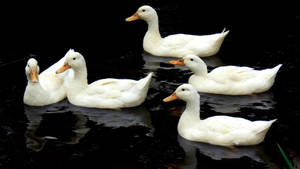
138 116
255 153
233 104
154 62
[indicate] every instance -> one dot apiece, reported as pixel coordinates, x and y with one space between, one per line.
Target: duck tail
143 84
224 29
53 68
262 127
266 127
276 68
274 71
220 37
62 60
69 51
225 32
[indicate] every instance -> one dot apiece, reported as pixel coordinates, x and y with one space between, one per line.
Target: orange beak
133 17
65 67
170 98
34 76
177 62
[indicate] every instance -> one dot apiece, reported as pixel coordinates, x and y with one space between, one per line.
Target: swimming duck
106 93
44 89
176 45
217 130
228 80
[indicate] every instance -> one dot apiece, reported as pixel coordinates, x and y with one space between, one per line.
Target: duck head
146 13
193 62
73 60
185 92
32 70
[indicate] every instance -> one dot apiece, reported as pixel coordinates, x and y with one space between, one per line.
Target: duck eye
144 10
74 58
191 59
183 90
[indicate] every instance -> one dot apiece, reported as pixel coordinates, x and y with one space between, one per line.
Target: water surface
62 135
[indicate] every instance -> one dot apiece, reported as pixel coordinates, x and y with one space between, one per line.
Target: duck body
177 45
217 130
36 95
229 80
182 44
106 93
224 131
44 89
234 80
109 93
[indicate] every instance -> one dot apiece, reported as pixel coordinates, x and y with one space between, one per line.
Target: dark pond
62 135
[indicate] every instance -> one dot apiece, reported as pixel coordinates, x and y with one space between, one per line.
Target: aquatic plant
286 159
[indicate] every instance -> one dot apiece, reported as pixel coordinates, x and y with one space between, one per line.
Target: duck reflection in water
153 62
234 104
49 125
255 153
67 124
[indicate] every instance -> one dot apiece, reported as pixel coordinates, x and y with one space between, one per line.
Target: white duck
228 80
44 89
217 130
106 93
177 45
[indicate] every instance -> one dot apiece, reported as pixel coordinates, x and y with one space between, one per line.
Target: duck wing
186 42
227 74
114 84
110 88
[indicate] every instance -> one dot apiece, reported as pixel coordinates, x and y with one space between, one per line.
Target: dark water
62 135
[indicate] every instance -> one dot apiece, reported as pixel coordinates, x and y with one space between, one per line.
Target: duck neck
192 109
79 81
153 33
37 86
190 117
200 70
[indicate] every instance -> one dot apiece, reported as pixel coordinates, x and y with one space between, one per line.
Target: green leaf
286 159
